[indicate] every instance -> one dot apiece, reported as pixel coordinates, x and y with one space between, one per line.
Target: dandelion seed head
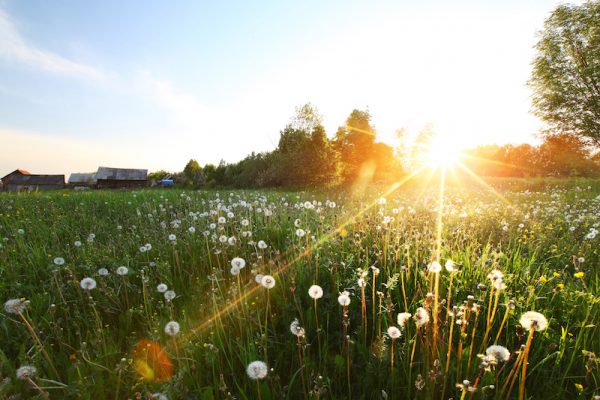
421 317
315 292
238 262
344 299
296 329
87 283
169 295
450 266
161 288
26 372
403 319
59 261
434 267
122 270
16 306
268 282
533 320
497 353
393 332
257 370
172 328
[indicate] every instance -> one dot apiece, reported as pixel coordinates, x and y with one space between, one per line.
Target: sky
153 84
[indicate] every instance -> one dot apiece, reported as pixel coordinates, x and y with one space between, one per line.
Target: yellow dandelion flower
579 387
578 274
543 279
556 274
560 286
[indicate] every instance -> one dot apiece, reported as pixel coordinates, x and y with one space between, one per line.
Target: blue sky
152 84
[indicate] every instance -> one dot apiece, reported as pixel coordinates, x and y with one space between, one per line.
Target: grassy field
189 289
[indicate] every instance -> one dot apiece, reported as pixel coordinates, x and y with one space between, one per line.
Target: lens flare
151 362
442 153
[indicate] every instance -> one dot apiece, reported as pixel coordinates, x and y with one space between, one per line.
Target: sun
441 153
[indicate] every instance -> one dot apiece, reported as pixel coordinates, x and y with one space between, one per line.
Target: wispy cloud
14 48
184 107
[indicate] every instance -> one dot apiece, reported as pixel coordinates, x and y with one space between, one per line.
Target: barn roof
37 180
17 172
122 174
78 177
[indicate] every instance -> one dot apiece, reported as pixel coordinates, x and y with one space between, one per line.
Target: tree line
304 157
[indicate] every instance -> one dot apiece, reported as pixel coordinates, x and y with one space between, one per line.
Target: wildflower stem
525 357
39 389
472 342
502 324
448 306
448 355
301 366
435 316
39 343
511 376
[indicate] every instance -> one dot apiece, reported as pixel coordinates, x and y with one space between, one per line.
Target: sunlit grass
186 318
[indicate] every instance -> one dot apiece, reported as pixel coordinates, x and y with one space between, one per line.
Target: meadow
401 293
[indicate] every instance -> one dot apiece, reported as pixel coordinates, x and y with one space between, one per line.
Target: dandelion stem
472 342
502 324
39 343
525 357
39 389
435 316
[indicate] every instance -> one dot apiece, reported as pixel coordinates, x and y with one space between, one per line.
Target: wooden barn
78 180
121 178
21 180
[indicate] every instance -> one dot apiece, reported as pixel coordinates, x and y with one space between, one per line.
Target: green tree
159 175
304 155
193 173
566 71
566 155
355 141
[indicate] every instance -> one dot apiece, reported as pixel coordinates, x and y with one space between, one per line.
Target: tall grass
83 342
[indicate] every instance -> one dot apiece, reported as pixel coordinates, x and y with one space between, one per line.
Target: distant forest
305 157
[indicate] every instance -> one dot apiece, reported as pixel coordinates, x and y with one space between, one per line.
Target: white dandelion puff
16 306
26 372
169 295
497 353
421 317
393 332
533 320
257 370
162 288
122 270
315 292
434 267
87 283
344 299
172 328
238 262
268 282
403 319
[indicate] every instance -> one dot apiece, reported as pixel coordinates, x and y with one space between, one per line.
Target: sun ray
248 293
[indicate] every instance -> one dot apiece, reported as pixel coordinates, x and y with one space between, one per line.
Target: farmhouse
82 180
115 178
19 180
